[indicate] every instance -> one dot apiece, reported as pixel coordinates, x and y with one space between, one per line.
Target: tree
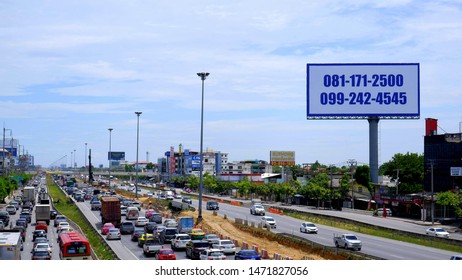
362 176
411 171
449 199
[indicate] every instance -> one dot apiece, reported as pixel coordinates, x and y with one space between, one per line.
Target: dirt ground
219 225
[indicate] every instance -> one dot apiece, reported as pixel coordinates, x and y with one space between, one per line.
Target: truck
152 246
110 210
10 245
29 194
42 213
185 224
347 241
44 198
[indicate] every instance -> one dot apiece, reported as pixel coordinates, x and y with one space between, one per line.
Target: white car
269 222
308 227
113 233
170 223
212 254
438 232
123 210
227 246
180 240
63 224
141 221
42 246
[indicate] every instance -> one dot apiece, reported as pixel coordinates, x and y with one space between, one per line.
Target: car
141 222
95 205
197 234
123 210
180 240
438 232
257 209
43 245
61 225
212 254
247 254
269 222
53 214
127 227
27 216
166 254
195 247
38 240
38 233
186 199
456 258
156 218
2 225
177 196
58 219
211 238
166 235
308 227
143 237
149 227
5 217
170 223
226 245
379 212
136 234
212 205
149 213
41 254
11 209
106 227
21 222
137 205
15 203
113 233
159 229
41 225
169 197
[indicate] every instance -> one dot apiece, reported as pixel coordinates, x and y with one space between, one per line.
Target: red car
106 228
41 225
166 254
149 213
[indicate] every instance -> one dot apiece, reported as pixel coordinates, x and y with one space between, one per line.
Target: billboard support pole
374 149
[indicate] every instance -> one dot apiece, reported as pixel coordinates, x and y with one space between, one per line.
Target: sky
70 70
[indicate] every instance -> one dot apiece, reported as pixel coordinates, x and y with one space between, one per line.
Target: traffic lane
376 246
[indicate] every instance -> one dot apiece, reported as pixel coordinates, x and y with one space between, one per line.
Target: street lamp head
138 113
110 129
203 75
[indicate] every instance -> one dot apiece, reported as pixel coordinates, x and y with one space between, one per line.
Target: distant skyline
72 69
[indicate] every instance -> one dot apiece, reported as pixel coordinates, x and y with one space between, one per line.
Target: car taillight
209 258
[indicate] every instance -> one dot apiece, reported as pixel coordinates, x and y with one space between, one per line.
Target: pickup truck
347 241
152 246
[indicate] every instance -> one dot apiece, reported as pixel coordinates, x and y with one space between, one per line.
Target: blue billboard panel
363 90
116 155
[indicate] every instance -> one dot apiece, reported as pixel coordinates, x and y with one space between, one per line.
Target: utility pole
432 205
352 164
397 181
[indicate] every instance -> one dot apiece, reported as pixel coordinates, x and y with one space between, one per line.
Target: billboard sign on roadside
358 91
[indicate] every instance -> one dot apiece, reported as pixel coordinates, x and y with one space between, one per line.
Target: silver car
308 227
180 240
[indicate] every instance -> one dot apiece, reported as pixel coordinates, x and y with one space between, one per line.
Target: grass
66 207
371 230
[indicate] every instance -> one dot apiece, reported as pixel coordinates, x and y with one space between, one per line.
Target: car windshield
310 225
440 230
258 206
270 219
166 252
351 237
216 253
183 237
227 242
249 253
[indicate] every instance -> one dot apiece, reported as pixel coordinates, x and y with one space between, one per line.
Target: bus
74 246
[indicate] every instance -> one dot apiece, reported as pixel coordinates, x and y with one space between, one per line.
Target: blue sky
72 69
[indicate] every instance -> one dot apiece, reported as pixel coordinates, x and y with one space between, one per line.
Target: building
443 159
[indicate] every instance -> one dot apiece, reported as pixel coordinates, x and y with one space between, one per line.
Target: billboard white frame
363 90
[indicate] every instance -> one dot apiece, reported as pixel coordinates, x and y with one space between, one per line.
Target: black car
127 227
5 217
156 218
26 215
212 205
53 214
39 233
137 233
168 234
149 227
195 247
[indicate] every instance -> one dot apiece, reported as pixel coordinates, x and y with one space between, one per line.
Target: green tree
193 182
411 171
362 176
451 200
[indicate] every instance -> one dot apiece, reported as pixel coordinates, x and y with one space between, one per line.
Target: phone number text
363 98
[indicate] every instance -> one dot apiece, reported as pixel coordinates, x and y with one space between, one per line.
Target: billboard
116 155
363 90
282 158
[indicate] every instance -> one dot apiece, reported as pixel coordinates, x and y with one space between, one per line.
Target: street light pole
74 161
137 148
203 76
85 166
109 157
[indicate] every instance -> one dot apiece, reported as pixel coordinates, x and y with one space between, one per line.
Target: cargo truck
42 213
185 224
29 194
110 210
10 245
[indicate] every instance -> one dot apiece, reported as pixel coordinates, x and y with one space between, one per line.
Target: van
132 213
380 212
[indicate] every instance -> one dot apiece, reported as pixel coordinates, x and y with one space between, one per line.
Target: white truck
347 241
29 194
152 246
42 213
10 245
